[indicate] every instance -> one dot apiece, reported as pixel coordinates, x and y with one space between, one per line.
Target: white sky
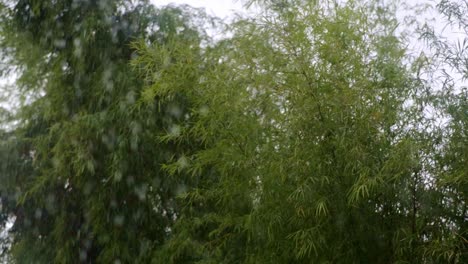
220 8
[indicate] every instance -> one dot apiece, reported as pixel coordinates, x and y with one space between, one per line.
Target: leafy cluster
302 137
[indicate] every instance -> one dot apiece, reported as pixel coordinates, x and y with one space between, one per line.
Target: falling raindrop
175 130
119 220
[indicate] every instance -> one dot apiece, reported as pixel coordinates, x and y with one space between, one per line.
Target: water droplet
38 213
183 162
175 110
118 176
181 189
174 130
60 43
119 220
141 191
83 255
204 110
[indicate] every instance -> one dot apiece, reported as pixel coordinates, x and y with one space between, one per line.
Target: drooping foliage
303 124
450 158
302 136
81 171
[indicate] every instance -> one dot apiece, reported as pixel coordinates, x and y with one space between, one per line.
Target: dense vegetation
307 134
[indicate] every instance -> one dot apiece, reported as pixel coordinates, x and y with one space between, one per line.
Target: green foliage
92 187
311 161
300 138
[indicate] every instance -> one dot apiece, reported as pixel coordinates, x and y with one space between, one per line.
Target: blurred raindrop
175 110
141 191
119 220
175 130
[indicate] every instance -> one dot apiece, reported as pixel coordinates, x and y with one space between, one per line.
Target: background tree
81 173
450 242
314 161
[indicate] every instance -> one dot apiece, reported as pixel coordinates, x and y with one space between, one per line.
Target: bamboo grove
308 133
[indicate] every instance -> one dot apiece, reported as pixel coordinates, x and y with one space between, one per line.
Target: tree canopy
300 136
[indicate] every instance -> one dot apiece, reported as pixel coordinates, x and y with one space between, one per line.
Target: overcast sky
220 8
